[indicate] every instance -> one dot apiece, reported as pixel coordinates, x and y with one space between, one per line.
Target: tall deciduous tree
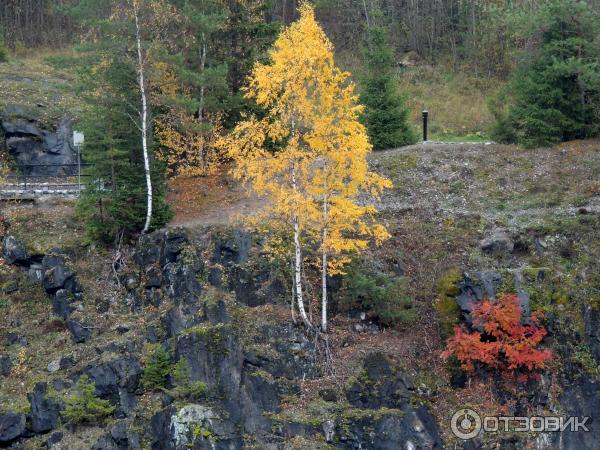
386 115
308 152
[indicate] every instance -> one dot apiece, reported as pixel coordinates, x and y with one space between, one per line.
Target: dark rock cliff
31 143
194 293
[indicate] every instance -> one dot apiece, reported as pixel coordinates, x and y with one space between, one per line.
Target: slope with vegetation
166 295
359 298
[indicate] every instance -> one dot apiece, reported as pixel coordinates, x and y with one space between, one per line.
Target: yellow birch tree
308 154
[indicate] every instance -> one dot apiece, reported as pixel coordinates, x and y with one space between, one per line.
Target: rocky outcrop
240 374
592 328
120 437
31 143
581 400
387 417
384 414
194 426
115 378
380 386
232 268
53 272
14 251
475 287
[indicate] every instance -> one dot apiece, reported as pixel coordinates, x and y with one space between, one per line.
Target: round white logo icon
466 424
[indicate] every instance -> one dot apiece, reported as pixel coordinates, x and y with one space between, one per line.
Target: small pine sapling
83 406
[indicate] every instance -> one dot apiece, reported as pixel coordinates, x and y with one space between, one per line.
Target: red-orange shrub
506 344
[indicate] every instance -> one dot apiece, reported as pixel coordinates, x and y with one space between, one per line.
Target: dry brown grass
456 101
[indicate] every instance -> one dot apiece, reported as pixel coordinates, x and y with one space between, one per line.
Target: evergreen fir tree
556 92
247 35
386 115
157 368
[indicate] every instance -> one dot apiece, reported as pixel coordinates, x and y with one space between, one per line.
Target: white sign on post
78 138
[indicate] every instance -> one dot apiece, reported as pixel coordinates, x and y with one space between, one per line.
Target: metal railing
21 183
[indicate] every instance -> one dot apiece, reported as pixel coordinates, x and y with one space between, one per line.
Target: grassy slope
42 90
457 102
456 99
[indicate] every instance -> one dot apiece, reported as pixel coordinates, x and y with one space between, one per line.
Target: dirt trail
221 214
210 200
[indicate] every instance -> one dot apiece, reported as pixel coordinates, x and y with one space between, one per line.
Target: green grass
450 137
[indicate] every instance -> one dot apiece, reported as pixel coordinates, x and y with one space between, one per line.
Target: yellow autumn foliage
187 145
309 153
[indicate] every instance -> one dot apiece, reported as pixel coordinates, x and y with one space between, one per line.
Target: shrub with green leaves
382 296
83 406
156 369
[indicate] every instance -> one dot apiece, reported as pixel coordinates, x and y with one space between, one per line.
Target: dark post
425 117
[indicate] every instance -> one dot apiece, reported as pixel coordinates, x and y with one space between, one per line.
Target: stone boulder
62 303
12 426
53 440
45 411
113 377
497 242
5 365
14 251
79 331
119 438
57 275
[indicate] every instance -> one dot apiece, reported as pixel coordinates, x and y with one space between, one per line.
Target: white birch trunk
144 118
324 267
298 273
298 251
